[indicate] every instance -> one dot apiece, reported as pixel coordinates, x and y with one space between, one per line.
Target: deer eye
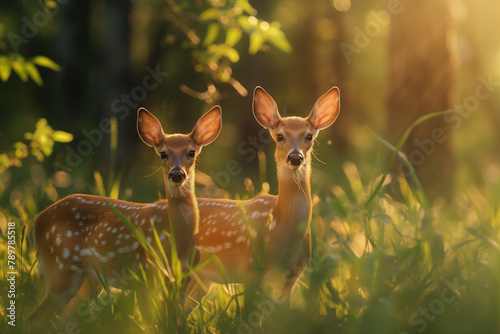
163 155
279 137
309 137
192 153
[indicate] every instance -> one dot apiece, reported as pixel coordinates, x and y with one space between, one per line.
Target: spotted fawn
80 236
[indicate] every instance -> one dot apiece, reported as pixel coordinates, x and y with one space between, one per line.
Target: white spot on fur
85 251
273 224
65 253
123 250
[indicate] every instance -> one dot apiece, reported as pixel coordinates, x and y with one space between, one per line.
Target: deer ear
265 109
208 127
149 128
325 110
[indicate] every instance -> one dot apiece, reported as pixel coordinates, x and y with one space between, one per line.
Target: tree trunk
421 81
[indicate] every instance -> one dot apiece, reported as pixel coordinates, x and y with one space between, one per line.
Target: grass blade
397 152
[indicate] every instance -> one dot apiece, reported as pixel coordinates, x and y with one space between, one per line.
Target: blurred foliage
24 68
223 23
40 144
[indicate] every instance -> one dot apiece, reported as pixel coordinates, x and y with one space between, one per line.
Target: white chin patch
175 185
292 167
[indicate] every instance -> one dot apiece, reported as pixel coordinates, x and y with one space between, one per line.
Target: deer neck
294 206
183 208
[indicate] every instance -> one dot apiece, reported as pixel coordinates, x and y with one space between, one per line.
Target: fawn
228 228
80 234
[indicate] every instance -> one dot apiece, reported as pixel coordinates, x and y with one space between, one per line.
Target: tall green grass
378 265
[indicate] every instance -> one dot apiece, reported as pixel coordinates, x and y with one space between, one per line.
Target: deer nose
177 175
295 158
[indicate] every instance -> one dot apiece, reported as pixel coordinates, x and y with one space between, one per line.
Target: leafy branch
223 24
25 68
40 144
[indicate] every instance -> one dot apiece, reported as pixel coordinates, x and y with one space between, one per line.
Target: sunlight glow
342 5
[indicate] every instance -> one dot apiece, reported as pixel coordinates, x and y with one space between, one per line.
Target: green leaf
243 22
50 4
18 67
245 5
232 55
46 62
212 33
33 73
62 136
37 154
256 42
209 14
5 69
233 36
277 37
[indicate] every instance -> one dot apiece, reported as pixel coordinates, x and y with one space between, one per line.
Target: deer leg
61 287
90 289
298 263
